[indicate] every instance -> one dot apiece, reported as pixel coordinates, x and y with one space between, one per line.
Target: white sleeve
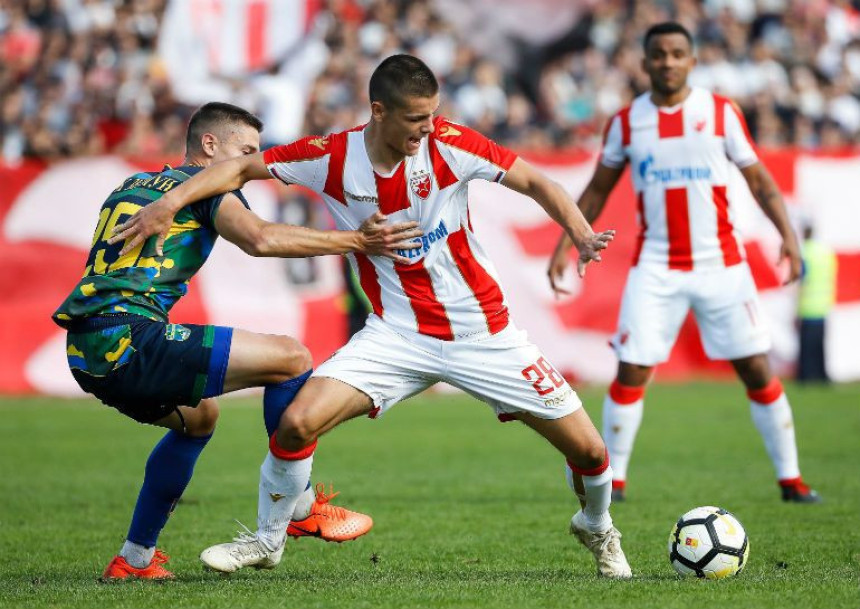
613 153
310 174
739 145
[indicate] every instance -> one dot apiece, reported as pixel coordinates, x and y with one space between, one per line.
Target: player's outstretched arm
256 237
769 198
575 220
156 218
591 203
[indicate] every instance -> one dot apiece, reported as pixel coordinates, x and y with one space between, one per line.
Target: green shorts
146 368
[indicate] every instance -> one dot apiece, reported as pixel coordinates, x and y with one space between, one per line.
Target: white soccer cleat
605 546
246 550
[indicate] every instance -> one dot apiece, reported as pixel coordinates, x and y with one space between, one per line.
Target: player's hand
790 251
381 239
154 219
557 266
590 248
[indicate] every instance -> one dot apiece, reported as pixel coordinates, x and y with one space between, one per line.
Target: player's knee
592 456
754 371
204 418
304 361
296 430
295 357
633 375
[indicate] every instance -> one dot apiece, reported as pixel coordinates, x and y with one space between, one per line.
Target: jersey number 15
108 219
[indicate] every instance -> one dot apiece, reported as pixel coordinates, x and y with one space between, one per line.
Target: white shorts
504 370
656 301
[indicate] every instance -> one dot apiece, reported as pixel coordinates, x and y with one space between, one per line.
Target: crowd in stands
82 77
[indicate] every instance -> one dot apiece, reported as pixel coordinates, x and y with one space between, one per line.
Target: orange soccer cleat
119 569
330 522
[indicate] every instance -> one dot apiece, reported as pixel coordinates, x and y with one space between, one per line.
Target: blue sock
168 471
276 398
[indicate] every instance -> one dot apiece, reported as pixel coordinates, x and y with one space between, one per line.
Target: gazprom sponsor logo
653 175
427 240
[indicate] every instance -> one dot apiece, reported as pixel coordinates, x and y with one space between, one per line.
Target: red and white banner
47 215
203 44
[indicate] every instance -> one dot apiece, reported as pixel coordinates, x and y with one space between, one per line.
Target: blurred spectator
817 295
92 76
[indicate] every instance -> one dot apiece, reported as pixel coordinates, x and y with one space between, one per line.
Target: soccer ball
708 542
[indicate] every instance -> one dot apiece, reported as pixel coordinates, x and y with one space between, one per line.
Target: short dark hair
212 115
399 77
667 27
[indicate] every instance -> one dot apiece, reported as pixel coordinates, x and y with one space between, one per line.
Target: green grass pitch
468 512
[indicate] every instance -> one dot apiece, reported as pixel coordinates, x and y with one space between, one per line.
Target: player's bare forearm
557 203
375 237
217 179
287 241
560 206
156 218
590 204
593 199
769 198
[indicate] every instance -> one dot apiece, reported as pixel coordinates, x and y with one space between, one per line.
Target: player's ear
209 144
377 111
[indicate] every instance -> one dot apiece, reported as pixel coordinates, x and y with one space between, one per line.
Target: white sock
620 425
598 496
282 482
776 426
303 505
136 555
568 474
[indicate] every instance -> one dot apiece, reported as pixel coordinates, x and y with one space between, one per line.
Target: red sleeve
469 140
305 149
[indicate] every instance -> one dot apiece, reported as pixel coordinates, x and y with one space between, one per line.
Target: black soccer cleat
618 493
795 491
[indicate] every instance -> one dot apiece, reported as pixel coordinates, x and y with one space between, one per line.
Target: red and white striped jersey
680 163
450 288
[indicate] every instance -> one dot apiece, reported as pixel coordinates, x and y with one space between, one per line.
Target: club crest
421 184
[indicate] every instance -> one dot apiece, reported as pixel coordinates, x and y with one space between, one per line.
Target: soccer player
122 349
440 316
680 142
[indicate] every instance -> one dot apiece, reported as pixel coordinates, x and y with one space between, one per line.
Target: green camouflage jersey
141 282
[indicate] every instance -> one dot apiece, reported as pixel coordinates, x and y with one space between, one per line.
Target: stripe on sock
625 394
595 471
288 455
767 394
